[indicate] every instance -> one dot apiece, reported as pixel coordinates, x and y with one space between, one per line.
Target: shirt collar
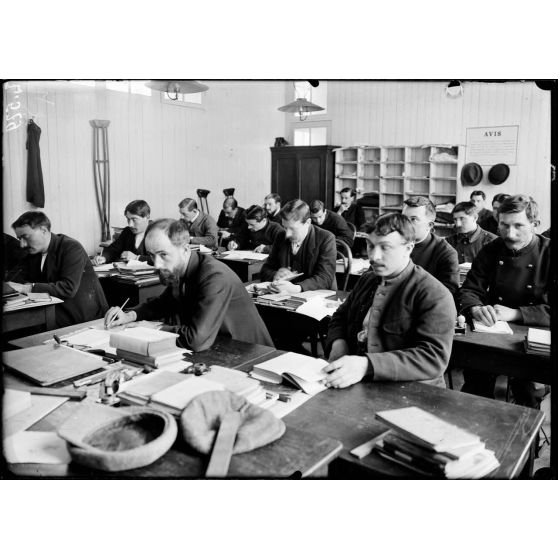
393 281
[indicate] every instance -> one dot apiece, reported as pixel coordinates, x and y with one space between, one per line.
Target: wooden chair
344 253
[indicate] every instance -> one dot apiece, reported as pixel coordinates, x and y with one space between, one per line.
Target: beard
168 278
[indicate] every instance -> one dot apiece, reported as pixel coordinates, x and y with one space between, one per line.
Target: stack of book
537 341
147 346
139 273
432 447
172 391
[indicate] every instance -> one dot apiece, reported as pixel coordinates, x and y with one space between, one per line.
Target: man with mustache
397 323
509 280
203 297
58 265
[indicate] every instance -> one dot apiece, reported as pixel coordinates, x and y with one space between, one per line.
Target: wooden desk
32 314
117 291
500 354
348 415
247 270
296 454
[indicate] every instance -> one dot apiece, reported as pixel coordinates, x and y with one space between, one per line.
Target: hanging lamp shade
301 107
177 87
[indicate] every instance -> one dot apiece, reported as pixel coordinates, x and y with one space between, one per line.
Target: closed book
304 372
143 340
427 429
175 398
155 361
141 388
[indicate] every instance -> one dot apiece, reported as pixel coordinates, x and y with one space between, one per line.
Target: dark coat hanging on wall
35 186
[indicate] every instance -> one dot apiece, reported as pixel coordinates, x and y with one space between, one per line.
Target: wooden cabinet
303 172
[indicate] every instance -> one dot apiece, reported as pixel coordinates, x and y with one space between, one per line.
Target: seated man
478 197
58 265
232 220
272 204
431 252
262 232
304 248
203 297
469 237
509 280
491 224
130 244
349 209
13 255
397 324
330 221
202 228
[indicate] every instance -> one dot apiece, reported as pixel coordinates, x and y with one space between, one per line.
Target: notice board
492 145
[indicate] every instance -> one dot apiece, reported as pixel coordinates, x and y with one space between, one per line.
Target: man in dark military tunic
510 280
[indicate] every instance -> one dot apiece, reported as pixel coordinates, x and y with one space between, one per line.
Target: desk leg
49 318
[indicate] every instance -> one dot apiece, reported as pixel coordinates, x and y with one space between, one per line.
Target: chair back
353 228
345 255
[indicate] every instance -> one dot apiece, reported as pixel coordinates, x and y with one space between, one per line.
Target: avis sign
492 145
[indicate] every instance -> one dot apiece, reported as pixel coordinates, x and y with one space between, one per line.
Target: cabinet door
311 175
285 177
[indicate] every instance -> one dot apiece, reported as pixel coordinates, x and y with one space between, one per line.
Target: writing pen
114 317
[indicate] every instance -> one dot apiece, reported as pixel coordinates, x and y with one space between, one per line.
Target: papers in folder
244 255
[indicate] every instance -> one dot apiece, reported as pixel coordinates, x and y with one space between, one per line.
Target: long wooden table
346 415
32 314
297 454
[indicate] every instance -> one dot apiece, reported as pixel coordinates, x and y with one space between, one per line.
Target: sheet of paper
244 255
318 308
36 447
92 337
103 267
41 405
499 327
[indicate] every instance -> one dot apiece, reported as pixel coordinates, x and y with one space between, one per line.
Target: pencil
121 308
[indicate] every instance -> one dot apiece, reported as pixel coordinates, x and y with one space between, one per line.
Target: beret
112 439
201 419
498 174
471 174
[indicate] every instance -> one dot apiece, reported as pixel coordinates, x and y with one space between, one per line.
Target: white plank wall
415 113
158 151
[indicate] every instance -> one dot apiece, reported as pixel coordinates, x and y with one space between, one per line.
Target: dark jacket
316 258
236 225
13 256
440 260
416 331
487 222
516 279
338 226
67 274
212 301
468 246
354 214
126 241
276 218
266 236
203 231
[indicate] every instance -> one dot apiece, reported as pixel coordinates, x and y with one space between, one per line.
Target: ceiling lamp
454 89
174 88
301 107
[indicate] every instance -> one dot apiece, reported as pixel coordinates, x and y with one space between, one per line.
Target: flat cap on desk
201 419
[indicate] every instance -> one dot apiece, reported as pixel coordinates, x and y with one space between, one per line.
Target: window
311 133
129 86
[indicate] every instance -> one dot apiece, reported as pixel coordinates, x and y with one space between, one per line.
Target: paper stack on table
537 341
243 255
499 327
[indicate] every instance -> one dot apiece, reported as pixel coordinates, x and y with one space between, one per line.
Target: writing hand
484 314
21 287
127 255
346 371
259 249
284 287
99 260
115 317
281 273
232 245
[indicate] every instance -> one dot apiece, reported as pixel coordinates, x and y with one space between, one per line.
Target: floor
543 459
